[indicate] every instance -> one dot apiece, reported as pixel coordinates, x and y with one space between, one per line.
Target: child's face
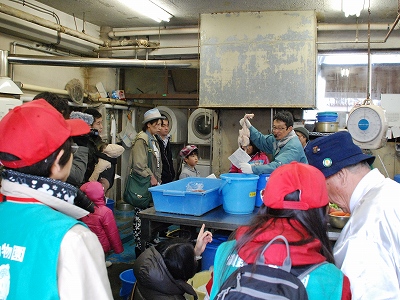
192 159
249 149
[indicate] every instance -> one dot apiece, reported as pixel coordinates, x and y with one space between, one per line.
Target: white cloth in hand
101 166
244 133
245 121
246 168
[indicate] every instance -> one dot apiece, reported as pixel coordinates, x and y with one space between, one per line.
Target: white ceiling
186 12
335 31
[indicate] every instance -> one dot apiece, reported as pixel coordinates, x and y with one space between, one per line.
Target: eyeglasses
278 128
74 148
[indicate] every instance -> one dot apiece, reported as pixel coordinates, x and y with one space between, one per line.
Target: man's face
302 138
164 128
280 130
98 124
335 192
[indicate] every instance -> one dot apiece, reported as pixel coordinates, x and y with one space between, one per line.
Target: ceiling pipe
37 47
7 86
37 88
98 62
152 31
195 30
138 43
350 27
393 26
48 24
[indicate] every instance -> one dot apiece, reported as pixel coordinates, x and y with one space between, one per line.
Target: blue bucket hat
334 152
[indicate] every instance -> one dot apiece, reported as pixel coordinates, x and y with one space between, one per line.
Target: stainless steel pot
124 206
326 126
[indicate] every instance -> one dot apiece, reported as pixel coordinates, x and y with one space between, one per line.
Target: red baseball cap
34 130
308 180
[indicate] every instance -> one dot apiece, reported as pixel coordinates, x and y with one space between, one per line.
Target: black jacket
154 281
168 172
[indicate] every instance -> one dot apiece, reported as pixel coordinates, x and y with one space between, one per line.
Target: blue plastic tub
327 116
239 193
110 204
397 178
174 197
208 255
262 182
128 280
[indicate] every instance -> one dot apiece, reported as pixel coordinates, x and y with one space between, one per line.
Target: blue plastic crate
174 198
327 116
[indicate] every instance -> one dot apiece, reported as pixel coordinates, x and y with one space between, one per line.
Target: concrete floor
113 275
125 260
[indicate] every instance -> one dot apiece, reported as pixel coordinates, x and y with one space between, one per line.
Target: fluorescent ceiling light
352 7
7 86
148 9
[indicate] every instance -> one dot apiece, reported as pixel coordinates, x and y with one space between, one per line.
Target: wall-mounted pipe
104 101
37 47
392 27
97 62
142 43
195 30
59 28
153 31
48 24
37 88
351 27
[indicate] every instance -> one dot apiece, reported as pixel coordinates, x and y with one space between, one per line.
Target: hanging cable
369 52
45 11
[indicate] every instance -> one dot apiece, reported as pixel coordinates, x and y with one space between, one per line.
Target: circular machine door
200 126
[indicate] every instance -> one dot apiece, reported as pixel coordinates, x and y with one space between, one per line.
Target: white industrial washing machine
200 126
177 123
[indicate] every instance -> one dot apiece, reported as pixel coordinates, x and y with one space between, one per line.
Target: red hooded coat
102 221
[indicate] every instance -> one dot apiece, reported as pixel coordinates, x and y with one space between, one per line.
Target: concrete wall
252 55
226 131
386 160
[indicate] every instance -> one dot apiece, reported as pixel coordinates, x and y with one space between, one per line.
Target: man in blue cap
368 248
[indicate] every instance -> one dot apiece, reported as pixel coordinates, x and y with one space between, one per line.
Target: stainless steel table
217 219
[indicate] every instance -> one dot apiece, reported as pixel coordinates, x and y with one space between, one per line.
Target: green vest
30 242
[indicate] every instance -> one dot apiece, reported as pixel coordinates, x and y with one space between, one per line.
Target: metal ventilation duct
7 86
99 62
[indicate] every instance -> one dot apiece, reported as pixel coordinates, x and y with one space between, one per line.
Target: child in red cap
295 203
189 154
39 212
